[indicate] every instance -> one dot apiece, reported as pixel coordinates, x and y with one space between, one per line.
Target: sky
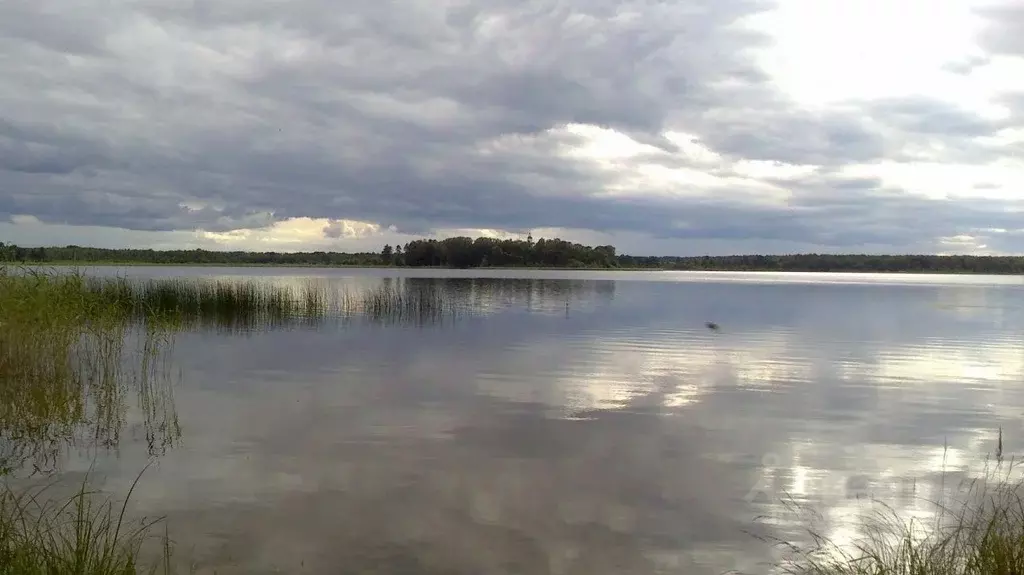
682 127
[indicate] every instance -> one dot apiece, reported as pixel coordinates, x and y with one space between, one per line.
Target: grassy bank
978 531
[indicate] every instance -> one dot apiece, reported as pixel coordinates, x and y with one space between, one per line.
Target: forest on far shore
465 252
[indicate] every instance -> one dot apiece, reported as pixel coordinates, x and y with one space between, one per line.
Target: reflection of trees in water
479 295
74 394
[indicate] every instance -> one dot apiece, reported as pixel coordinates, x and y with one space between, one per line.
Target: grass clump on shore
44 535
979 533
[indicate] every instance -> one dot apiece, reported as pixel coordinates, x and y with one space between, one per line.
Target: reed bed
979 532
250 305
73 349
408 303
66 368
191 303
69 357
255 304
170 305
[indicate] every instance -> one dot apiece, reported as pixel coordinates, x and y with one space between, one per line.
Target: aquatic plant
254 304
67 364
73 347
69 357
980 533
416 302
198 302
45 534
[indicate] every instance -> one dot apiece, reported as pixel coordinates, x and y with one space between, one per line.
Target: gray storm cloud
223 114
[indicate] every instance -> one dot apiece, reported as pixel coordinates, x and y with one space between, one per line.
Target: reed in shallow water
191 303
980 532
45 534
72 350
69 357
415 302
253 305
174 304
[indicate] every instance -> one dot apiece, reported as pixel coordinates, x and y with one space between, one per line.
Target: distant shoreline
542 254
324 266
499 268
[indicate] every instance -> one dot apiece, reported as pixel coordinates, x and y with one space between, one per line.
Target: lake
573 422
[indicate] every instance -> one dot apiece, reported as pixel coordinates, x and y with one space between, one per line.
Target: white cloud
828 52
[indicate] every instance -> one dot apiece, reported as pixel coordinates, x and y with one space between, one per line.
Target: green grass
248 304
39 301
69 357
979 532
192 303
42 534
251 304
67 366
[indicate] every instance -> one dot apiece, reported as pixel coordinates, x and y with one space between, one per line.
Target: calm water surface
577 422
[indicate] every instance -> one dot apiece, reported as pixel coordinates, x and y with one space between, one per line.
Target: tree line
465 252
833 263
457 252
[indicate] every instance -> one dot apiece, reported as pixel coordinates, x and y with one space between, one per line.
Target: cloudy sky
660 126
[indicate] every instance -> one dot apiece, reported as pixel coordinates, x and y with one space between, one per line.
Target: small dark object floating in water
711 325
